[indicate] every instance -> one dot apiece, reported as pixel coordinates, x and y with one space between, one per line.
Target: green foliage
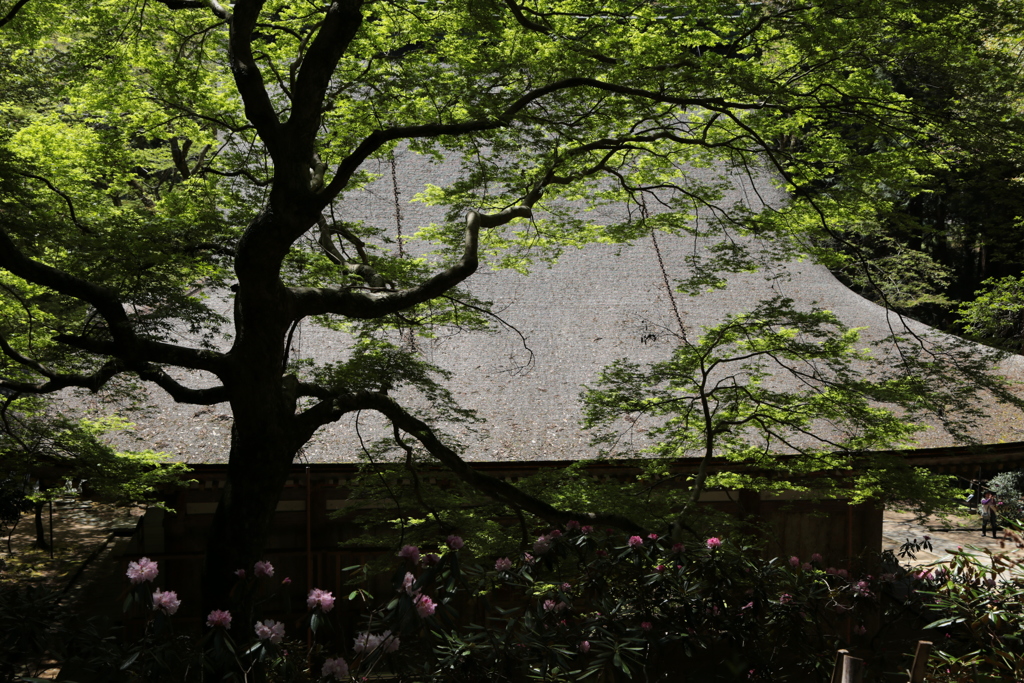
977 607
996 314
788 392
60 454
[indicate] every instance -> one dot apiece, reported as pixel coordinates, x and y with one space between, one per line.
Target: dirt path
81 532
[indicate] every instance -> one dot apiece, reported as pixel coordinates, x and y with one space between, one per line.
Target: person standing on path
988 513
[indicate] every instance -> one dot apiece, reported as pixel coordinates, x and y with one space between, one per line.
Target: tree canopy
156 153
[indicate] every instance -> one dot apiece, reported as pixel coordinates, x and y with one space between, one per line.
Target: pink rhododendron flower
549 605
219 617
320 598
167 601
410 552
240 573
572 525
336 668
660 568
528 558
366 642
542 545
678 548
408 582
270 630
714 542
424 606
816 557
503 564
794 562
862 589
785 598
807 567
860 629
747 606
635 541
566 586
601 553
584 646
263 570
143 570
586 529
430 559
831 571
455 542
286 581
646 625
653 537
555 533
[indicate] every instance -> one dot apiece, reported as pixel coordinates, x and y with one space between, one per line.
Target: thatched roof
593 306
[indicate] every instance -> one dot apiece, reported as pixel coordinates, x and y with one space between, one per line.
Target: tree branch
332 39
497 489
366 305
14 10
377 139
125 344
248 78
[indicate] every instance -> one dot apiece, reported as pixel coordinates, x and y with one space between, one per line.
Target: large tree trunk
260 461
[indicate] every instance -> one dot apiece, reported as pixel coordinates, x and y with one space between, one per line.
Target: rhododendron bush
581 604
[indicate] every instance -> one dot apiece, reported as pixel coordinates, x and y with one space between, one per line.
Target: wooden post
920 665
837 670
853 669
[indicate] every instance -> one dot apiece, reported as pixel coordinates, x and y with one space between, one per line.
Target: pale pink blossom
549 605
794 562
408 582
455 542
286 581
653 537
320 598
503 564
424 606
366 642
263 570
219 617
270 630
143 570
572 525
528 558
555 533
586 529
566 586
584 646
785 598
542 545
410 552
862 589
336 668
713 542
166 601
240 573
635 542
